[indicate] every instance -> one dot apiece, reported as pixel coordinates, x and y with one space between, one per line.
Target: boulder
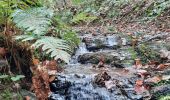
102 42
101 78
95 58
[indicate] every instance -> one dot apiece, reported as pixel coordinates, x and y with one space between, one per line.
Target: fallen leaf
154 79
143 73
139 82
2 51
140 89
161 67
52 78
138 64
167 64
27 98
52 72
153 62
134 42
51 63
36 61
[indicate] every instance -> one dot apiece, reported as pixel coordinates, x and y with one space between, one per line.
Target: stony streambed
98 71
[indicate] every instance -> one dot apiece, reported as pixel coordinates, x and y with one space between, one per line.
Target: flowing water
76 82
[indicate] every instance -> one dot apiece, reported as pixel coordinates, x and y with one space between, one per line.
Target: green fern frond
35 20
24 38
57 48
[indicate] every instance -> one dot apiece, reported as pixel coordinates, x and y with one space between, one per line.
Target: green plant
17 78
83 17
11 78
63 30
165 98
8 6
36 23
6 95
158 8
35 20
146 53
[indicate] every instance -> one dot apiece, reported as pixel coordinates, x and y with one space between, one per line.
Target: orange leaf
161 67
154 79
139 82
36 61
52 78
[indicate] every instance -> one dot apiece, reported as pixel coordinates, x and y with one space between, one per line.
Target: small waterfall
81 50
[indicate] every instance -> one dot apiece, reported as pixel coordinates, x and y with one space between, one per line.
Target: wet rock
102 42
60 86
93 44
101 78
117 64
159 36
94 58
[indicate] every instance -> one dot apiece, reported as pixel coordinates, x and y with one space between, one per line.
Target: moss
165 97
146 53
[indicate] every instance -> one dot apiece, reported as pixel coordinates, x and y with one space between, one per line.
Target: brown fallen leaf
161 67
36 61
143 73
154 79
153 62
139 82
52 78
27 98
138 64
140 89
134 42
2 51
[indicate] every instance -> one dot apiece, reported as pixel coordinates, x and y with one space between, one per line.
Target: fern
35 20
25 37
57 48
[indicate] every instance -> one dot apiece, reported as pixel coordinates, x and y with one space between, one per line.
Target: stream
84 78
